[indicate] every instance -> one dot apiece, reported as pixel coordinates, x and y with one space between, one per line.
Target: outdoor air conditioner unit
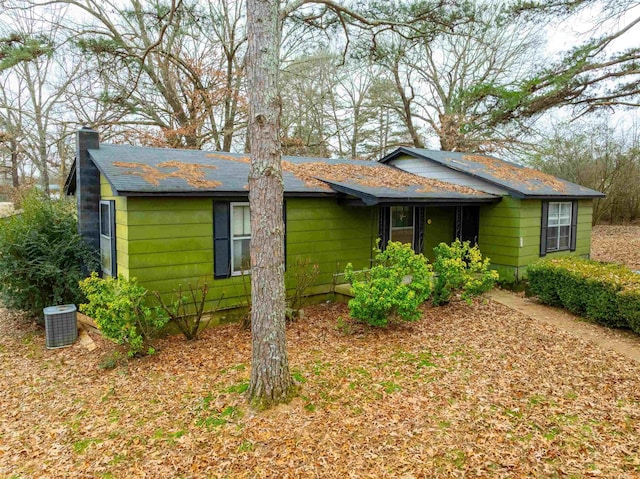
60 326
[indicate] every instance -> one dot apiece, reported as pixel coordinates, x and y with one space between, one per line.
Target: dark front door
467 223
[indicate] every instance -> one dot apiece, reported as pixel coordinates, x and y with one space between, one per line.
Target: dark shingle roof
520 181
160 171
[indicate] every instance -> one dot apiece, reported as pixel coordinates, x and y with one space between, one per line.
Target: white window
240 238
402 224
107 238
559 226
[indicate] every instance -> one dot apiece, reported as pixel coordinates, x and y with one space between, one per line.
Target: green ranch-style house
171 217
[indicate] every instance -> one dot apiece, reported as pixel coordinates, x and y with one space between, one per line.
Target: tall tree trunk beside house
15 178
270 377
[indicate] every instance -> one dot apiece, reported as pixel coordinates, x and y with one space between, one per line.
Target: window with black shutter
232 238
559 226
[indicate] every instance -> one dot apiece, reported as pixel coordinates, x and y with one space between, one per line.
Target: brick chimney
88 186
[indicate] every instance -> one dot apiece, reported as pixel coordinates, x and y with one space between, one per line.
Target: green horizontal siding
329 235
169 245
152 260
510 233
509 222
167 242
335 235
153 205
172 271
183 230
500 232
322 245
168 217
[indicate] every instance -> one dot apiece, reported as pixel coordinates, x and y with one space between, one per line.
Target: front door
467 224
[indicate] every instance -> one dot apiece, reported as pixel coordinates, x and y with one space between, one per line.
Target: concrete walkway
623 342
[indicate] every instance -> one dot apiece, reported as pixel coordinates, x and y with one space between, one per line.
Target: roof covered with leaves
519 180
159 171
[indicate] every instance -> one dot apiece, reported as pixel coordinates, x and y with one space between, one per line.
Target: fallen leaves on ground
468 391
617 244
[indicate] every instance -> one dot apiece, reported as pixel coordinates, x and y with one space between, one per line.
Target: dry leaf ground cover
468 391
617 243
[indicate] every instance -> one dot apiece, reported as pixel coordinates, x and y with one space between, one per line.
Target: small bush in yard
119 309
606 293
42 256
186 311
459 267
302 275
397 284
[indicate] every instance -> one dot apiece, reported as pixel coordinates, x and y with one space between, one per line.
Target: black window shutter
221 240
384 226
112 215
574 225
418 229
543 228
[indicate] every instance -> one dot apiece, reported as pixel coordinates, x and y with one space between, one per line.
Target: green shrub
119 309
42 257
459 267
629 307
543 284
606 293
396 285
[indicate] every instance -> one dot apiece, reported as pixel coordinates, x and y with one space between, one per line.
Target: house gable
432 169
518 181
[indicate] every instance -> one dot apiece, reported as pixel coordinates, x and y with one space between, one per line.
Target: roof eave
212 193
70 182
440 202
367 199
372 200
395 153
586 196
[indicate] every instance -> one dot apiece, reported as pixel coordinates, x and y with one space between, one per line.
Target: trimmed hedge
607 293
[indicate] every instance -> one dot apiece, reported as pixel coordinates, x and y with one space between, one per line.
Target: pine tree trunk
270 377
15 179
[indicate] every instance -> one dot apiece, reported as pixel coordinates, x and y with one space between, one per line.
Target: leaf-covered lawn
478 391
617 244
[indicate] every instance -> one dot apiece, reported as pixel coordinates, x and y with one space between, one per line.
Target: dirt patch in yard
473 391
617 244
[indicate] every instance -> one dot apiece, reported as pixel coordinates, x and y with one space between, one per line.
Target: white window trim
413 225
558 226
233 238
109 238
